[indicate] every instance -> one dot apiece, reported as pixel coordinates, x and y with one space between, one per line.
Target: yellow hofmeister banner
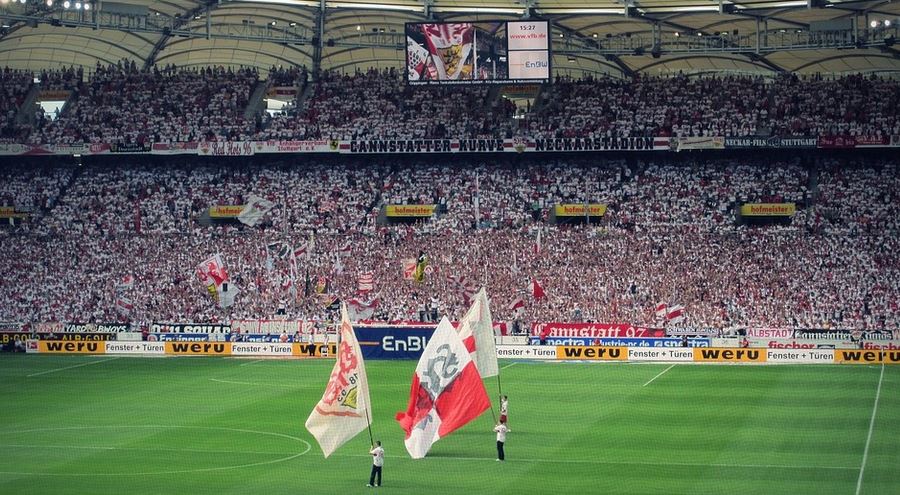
866 356
72 347
719 355
577 210
768 209
198 348
225 211
409 210
581 352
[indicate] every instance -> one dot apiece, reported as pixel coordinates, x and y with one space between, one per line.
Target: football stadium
449 246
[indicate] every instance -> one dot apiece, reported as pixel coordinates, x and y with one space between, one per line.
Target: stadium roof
607 36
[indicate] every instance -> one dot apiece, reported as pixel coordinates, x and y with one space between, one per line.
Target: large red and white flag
344 409
446 392
675 314
476 329
536 290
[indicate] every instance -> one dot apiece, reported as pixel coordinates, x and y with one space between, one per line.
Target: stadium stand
669 234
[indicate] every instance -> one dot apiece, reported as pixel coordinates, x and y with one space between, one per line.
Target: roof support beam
319 42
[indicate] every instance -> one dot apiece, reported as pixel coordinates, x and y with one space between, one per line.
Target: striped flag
366 282
675 314
661 309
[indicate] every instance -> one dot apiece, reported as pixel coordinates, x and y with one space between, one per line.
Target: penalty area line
71 367
659 375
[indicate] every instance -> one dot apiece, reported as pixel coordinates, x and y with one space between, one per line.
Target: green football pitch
107 425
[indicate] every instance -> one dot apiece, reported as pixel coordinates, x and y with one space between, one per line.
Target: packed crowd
122 104
669 235
719 106
379 104
125 104
14 85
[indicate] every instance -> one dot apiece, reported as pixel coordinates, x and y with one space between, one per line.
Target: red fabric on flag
464 400
536 290
469 342
420 405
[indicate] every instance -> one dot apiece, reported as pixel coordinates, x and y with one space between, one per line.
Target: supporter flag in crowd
275 250
126 284
446 392
461 286
537 242
322 285
476 329
300 251
675 314
255 209
661 309
361 310
408 267
337 267
366 282
536 290
213 275
421 263
517 305
344 409
345 249
124 304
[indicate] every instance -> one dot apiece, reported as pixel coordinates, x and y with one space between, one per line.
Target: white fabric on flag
359 310
476 329
344 409
255 209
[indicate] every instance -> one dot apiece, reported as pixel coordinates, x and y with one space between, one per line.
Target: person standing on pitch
377 463
501 430
504 409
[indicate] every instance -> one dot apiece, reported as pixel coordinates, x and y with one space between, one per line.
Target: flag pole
369 427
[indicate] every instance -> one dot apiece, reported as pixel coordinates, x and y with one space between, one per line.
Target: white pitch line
139 449
862 468
659 375
251 362
70 367
510 364
632 463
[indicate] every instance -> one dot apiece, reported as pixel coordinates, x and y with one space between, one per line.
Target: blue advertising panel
392 342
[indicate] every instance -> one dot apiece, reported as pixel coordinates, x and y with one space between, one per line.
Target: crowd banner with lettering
406 211
225 211
132 148
849 142
843 334
595 330
620 342
771 142
226 148
768 209
578 210
270 327
769 333
190 328
701 143
313 146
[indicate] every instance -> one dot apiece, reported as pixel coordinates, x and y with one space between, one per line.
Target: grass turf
92 424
